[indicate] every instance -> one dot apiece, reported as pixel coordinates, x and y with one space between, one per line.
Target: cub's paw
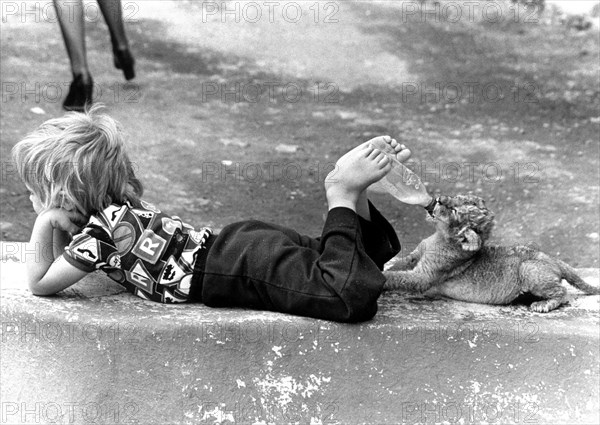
544 306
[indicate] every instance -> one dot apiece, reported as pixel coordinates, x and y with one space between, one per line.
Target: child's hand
68 221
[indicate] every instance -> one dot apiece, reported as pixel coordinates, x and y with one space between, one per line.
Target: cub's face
463 216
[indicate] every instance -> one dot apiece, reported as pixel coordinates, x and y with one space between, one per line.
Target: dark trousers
337 276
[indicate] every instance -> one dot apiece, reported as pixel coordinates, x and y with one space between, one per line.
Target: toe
379 140
375 154
383 159
386 163
378 159
403 154
368 149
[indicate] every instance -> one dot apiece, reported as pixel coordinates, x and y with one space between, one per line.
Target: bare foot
391 146
353 173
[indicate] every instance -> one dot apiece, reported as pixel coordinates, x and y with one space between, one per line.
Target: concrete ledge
95 354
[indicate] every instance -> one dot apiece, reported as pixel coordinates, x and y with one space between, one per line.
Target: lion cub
454 262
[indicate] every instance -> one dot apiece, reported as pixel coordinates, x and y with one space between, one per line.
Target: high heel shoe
124 61
80 93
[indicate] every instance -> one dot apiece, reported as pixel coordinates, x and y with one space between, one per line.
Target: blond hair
78 160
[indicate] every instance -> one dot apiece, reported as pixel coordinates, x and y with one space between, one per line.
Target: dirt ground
241 115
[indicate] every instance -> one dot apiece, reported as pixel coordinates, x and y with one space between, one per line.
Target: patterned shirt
148 252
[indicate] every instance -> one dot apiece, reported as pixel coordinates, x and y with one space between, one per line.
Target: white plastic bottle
401 182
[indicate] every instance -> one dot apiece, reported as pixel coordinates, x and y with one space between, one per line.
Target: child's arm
60 239
47 275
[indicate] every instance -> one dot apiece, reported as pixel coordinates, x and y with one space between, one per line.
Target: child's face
35 201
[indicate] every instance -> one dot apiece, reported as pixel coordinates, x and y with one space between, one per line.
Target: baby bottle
402 183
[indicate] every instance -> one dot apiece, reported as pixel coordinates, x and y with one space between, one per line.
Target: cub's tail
571 276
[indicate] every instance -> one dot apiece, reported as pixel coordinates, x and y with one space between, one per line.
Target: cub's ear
470 240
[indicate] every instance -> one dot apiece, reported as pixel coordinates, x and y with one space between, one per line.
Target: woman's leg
113 15
111 10
70 19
